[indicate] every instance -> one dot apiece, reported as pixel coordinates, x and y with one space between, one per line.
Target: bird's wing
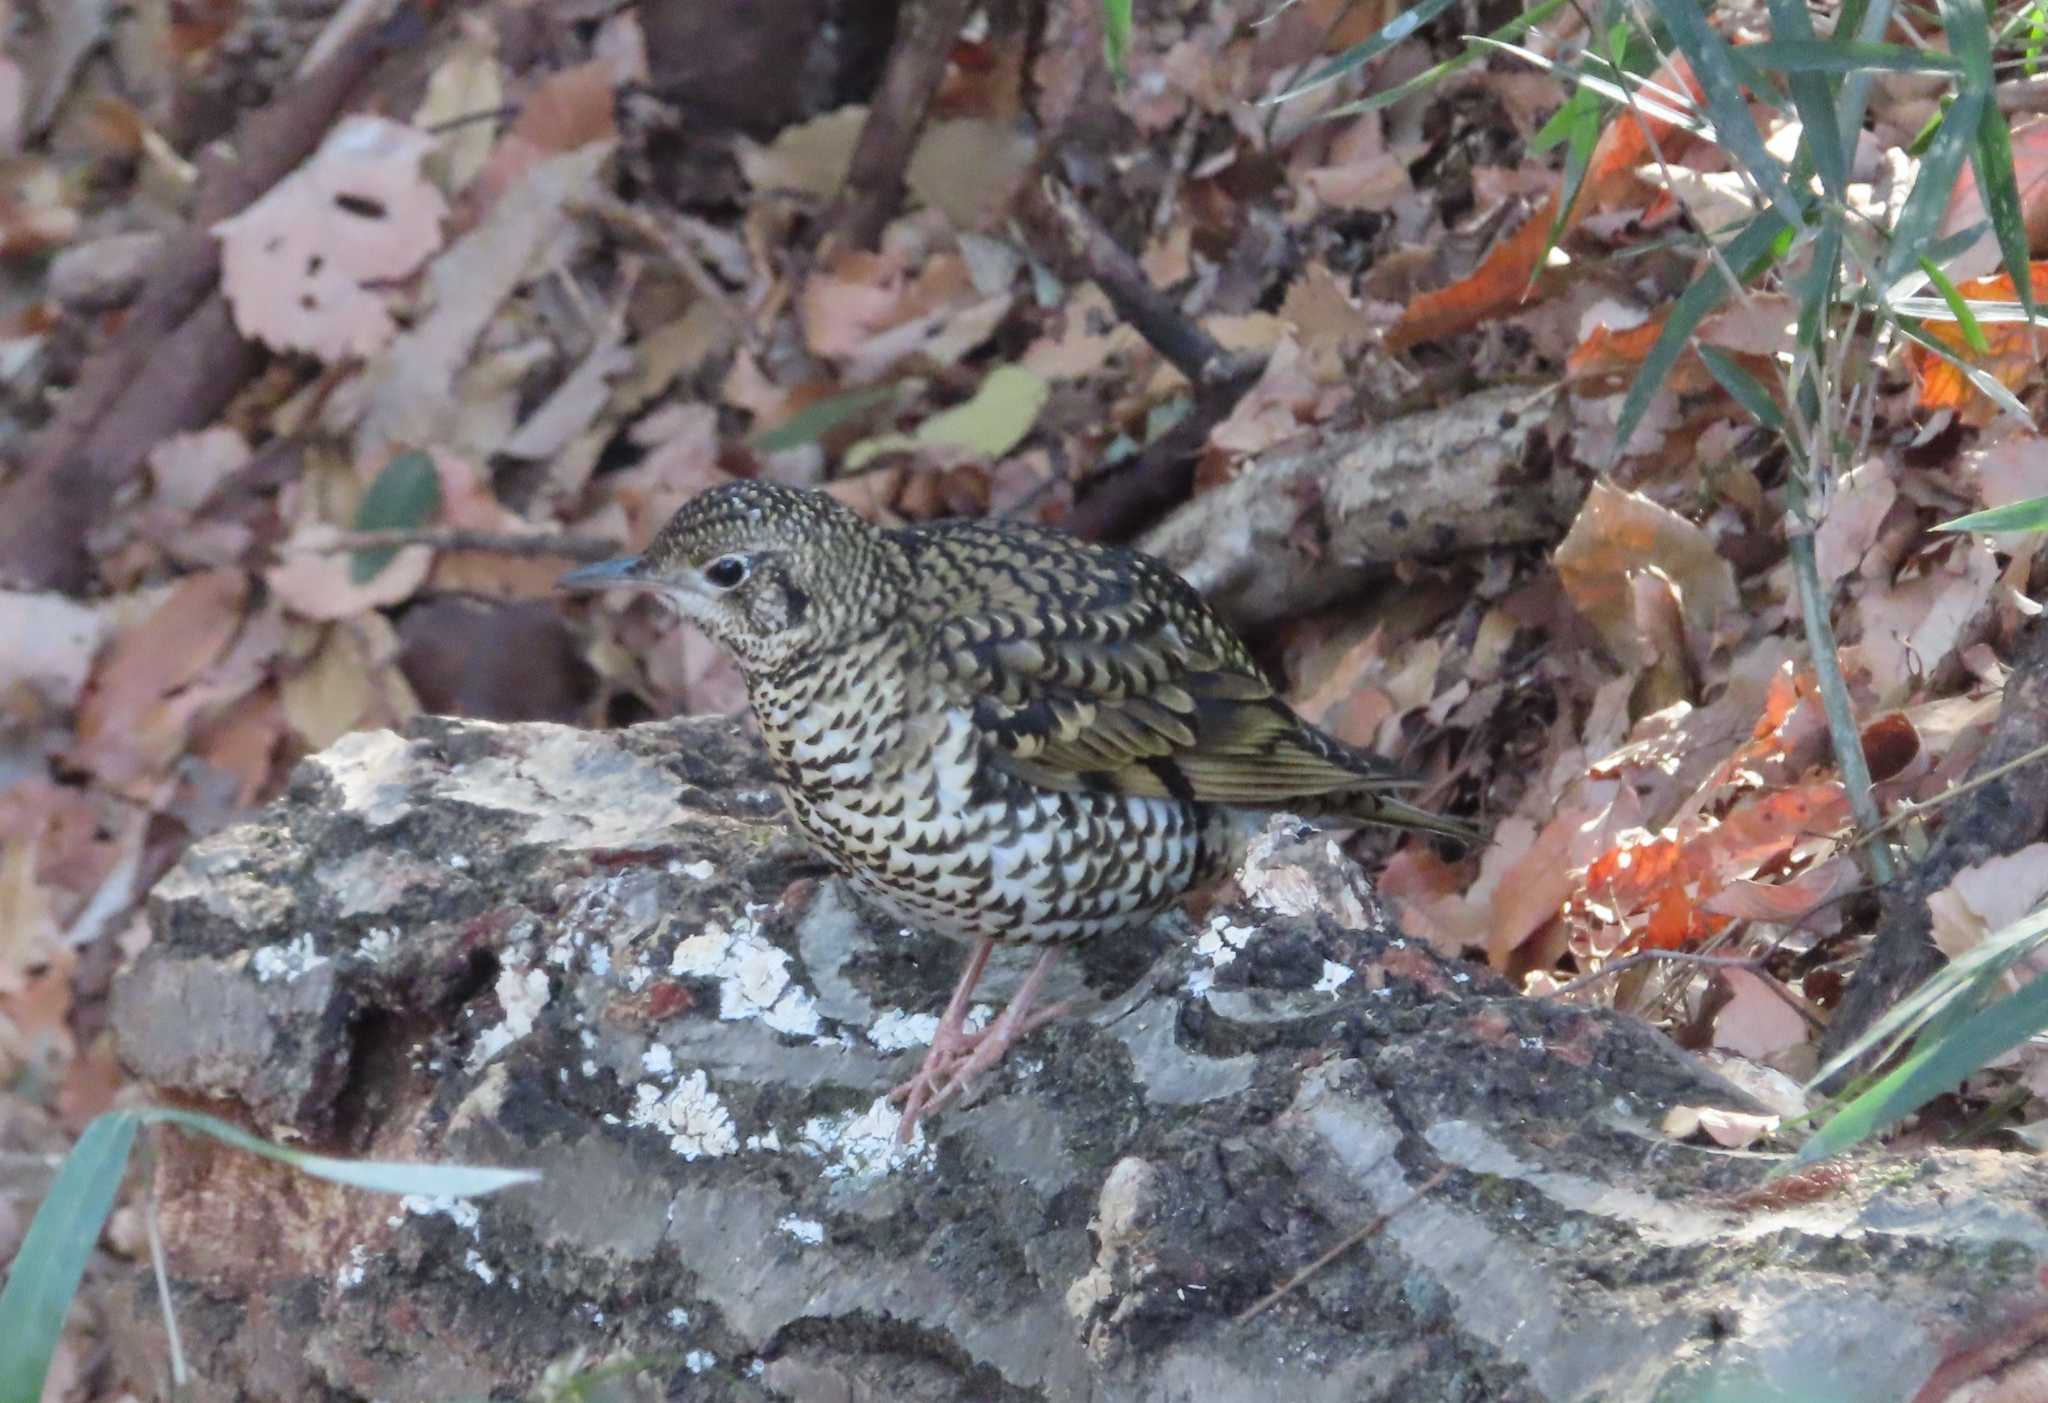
1093 669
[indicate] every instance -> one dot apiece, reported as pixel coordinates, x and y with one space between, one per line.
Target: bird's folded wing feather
1137 694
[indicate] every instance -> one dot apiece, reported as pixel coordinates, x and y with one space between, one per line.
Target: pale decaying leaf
1985 898
409 393
299 266
50 645
313 580
1857 507
1914 630
467 83
1756 1022
1734 1130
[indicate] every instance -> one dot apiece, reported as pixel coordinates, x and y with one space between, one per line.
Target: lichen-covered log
604 957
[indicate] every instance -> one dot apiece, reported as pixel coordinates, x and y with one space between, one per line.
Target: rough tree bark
601 955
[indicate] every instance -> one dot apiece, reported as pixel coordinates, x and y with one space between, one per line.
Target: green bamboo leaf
1936 1065
2030 515
1721 79
1400 27
1809 55
1746 253
1985 383
1742 386
820 417
405 495
1813 96
1969 38
53 1255
1928 200
1436 73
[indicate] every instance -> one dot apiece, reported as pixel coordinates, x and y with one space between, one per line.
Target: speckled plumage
1000 732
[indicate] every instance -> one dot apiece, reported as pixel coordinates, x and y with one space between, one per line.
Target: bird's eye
727 571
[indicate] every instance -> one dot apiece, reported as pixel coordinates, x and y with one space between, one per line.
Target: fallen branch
874 186
583 548
1296 531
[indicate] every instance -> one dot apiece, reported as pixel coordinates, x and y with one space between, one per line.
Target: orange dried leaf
1499 285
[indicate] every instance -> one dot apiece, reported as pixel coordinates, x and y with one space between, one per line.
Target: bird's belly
1034 867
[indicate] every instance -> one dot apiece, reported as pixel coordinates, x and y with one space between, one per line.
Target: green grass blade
53 1255
1116 34
1748 251
439 1180
2030 515
1958 307
1937 1066
820 417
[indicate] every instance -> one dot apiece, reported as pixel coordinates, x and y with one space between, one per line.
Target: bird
996 731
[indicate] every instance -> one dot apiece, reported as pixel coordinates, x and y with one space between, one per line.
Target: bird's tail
1373 804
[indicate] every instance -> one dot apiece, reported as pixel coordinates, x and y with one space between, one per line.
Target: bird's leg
948 1045
989 1046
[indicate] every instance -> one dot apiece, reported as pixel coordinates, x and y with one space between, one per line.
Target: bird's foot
958 1057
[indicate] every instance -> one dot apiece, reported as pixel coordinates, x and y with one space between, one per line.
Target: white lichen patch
808 1231
1335 977
896 1030
753 976
1218 943
522 993
460 1211
699 1360
378 945
698 871
770 1142
484 1271
658 1061
696 1122
288 960
373 771
862 1144
352 1273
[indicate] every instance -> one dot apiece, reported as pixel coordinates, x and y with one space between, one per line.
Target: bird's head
769 572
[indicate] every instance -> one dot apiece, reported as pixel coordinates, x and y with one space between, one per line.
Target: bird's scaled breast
917 815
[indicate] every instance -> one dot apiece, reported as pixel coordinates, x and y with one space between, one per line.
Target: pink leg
1017 1021
948 1044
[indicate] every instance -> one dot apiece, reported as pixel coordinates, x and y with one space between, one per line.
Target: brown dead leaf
301 266
1501 283
148 667
1856 509
1734 1130
1618 534
1914 630
313 580
1756 1021
571 109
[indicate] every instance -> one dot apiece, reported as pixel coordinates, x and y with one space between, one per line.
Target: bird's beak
623 572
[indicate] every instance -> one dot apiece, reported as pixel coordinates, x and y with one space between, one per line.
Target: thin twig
1346 1245
442 538
1907 812
1639 957
670 246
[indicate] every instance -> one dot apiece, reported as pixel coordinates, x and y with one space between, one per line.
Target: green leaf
1969 39
1400 27
405 495
1743 386
1720 78
2030 515
53 1255
1116 34
992 423
1809 55
1929 197
380 1176
820 417
1936 1065
1746 253
1965 319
